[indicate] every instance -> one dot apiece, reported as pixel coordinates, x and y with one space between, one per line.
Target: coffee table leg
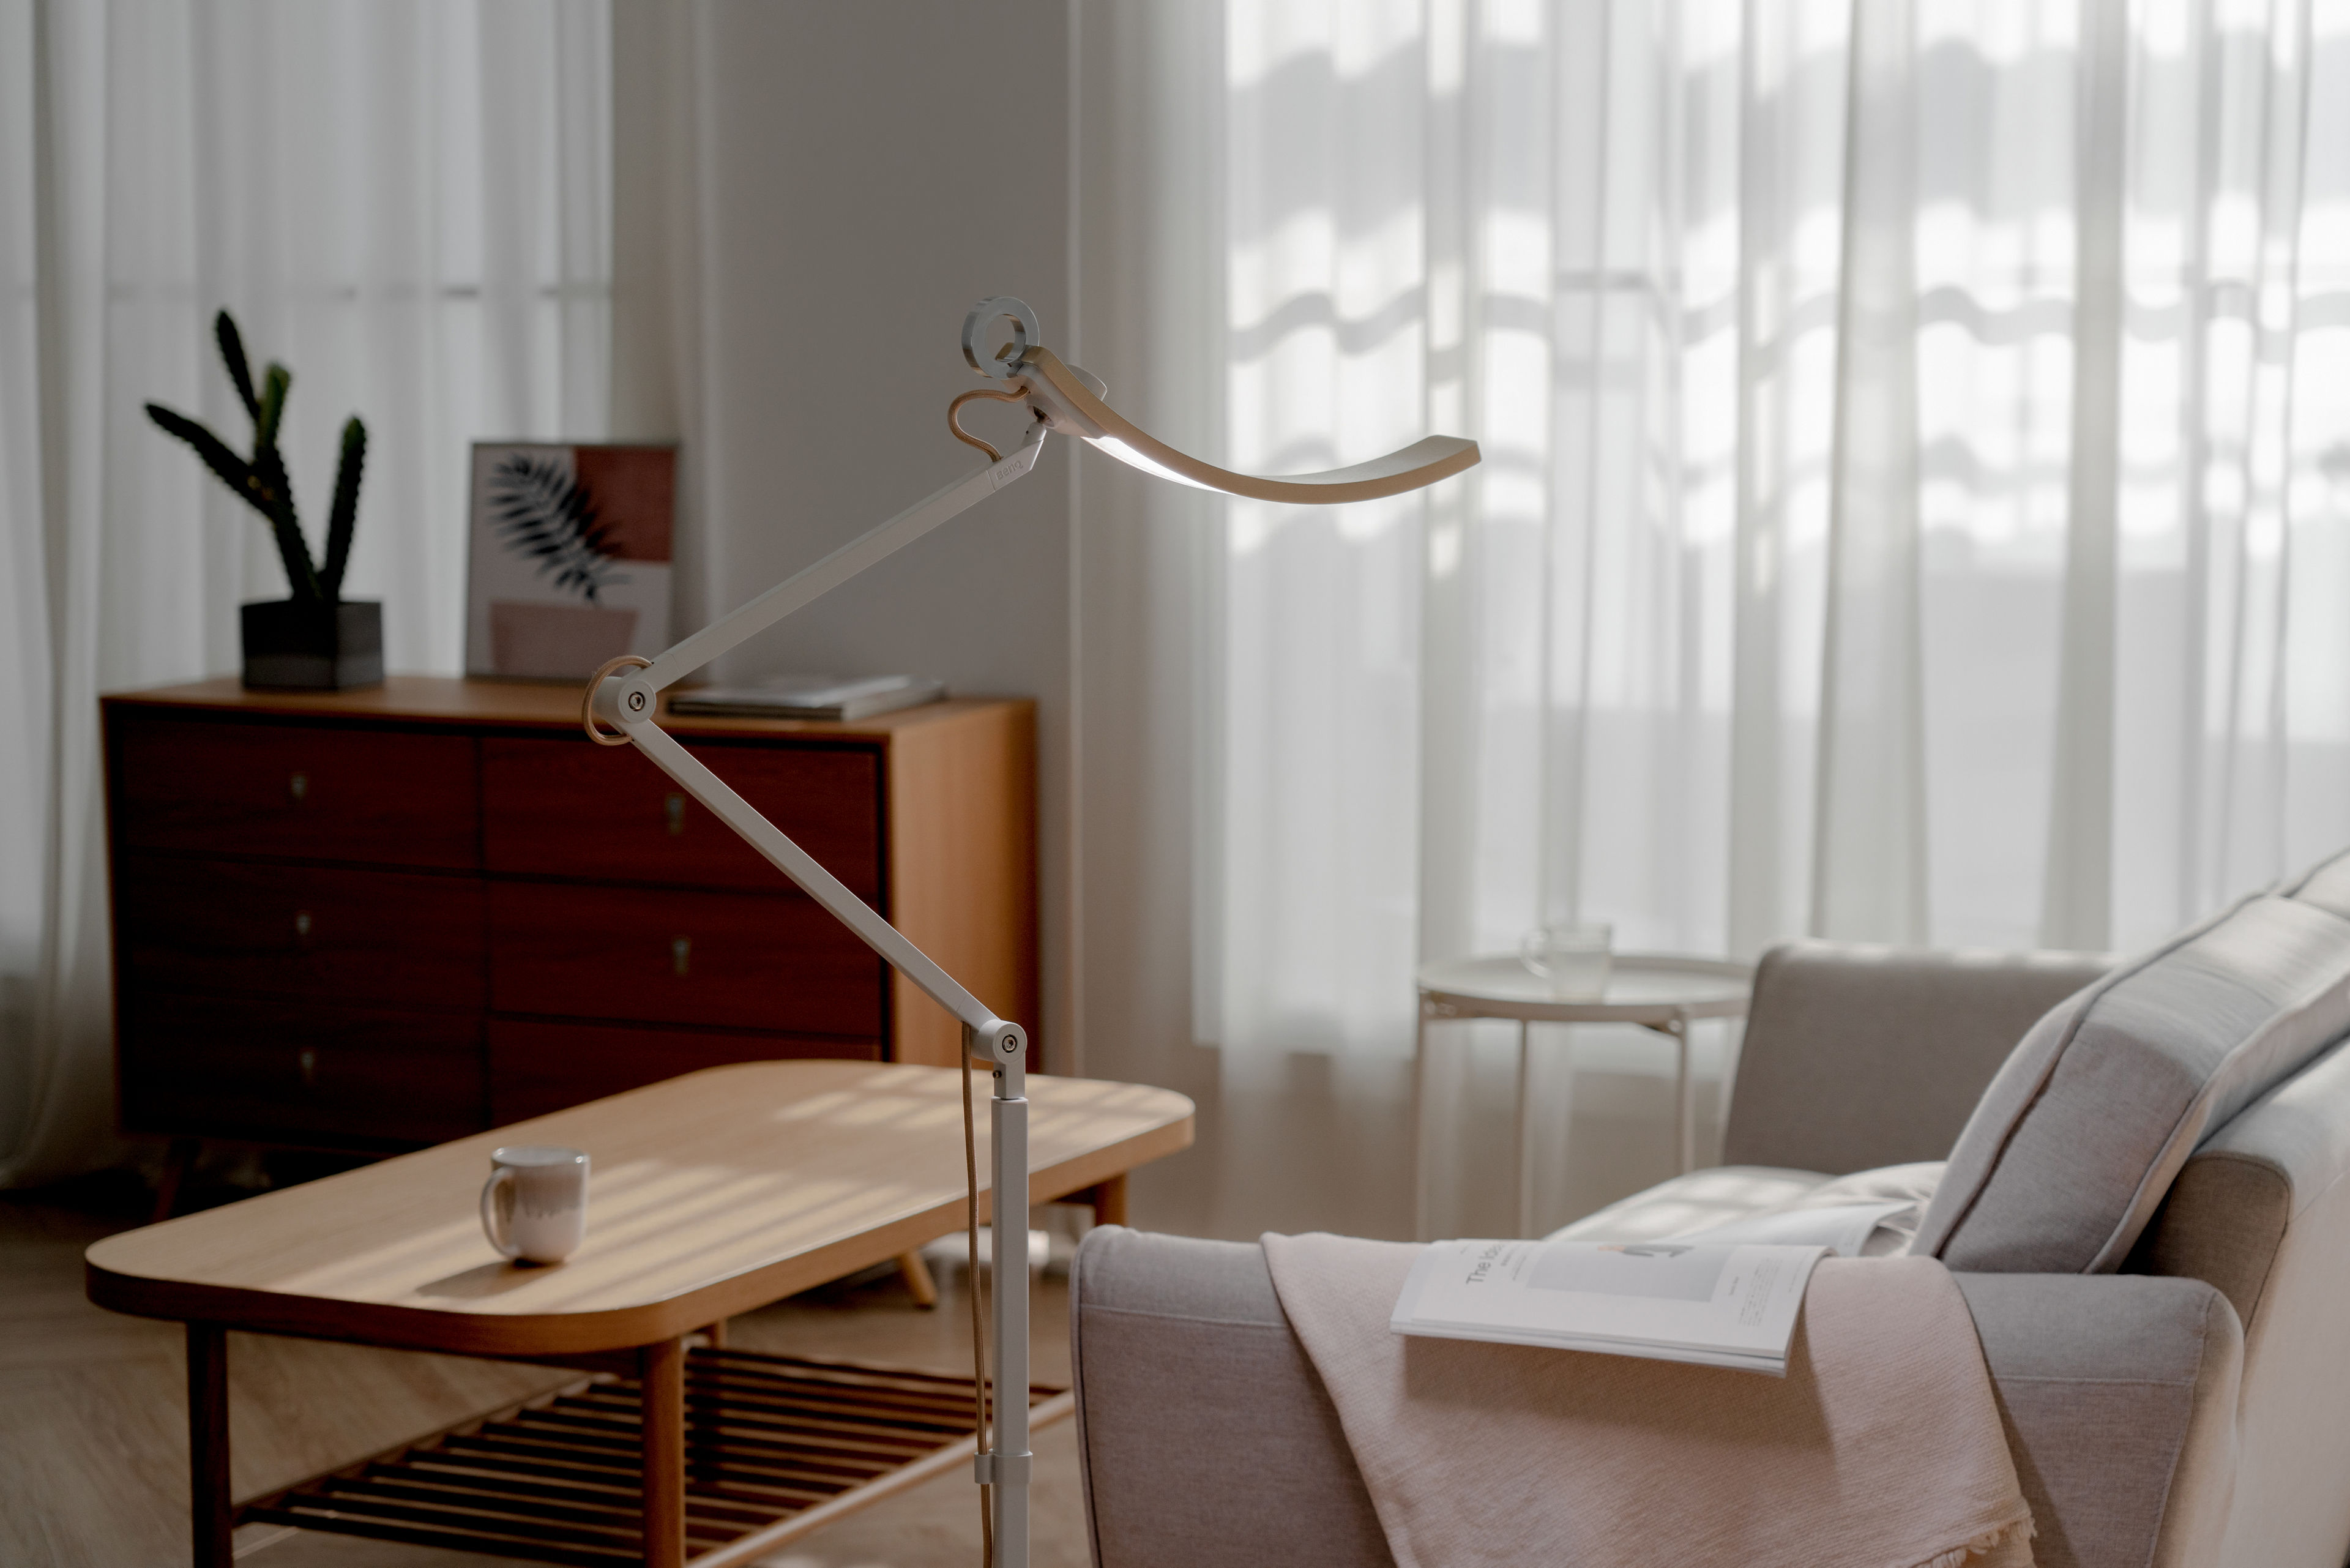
208 1501
1108 1200
918 1283
662 1372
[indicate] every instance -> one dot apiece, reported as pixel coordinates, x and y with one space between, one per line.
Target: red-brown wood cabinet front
565 809
332 934
307 791
216 1066
651 955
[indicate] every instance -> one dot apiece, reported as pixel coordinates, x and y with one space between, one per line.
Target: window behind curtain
410 206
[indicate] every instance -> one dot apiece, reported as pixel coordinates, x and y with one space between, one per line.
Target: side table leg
209 1513
661 1371
178 1160
1419 1122
1684 1097
1525 1194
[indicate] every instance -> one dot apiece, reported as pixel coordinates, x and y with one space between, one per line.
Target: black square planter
304 645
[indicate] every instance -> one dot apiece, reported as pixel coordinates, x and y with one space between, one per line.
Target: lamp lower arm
1003 1040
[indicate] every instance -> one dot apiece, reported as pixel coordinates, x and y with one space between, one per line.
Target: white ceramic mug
1575 959
535 1204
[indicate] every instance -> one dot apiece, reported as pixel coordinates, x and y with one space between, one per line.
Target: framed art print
569 559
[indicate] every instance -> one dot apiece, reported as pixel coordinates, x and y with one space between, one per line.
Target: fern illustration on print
541 510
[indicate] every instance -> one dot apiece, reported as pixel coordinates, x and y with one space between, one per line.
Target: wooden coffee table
712 1194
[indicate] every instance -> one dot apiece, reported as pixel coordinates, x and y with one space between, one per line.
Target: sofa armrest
1206 1437
1204 1434
2118 1393
1861 1057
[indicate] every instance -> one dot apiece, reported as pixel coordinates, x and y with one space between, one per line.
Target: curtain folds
410 206
1917 447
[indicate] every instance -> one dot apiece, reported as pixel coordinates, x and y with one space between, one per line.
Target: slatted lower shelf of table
771 1441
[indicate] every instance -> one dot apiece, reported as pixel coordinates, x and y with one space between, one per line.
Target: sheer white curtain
1918 447
407 205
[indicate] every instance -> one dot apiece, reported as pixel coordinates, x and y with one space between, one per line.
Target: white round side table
1664 993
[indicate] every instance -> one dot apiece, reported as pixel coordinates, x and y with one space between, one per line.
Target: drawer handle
301 925
681 950
309 1060
674 804
298 786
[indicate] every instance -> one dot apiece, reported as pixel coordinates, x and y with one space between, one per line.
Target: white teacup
1575 959
535 1204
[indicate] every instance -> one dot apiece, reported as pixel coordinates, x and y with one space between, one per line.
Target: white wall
809 197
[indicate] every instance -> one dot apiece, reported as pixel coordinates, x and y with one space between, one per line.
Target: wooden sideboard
377 919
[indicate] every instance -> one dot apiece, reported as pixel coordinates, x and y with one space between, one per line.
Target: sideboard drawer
295 791
538 1068
728 959
326 933
565 809
231 1067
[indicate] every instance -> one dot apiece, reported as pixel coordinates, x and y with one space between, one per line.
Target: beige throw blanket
1880 1448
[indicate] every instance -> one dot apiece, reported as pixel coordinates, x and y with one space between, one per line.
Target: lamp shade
1071 402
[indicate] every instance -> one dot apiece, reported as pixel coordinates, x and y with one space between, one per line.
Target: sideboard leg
209 1513
663 1381
177 1161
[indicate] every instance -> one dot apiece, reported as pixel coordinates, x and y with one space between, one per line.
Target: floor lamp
626 695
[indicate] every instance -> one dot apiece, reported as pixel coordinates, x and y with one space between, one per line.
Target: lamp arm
738 626
630 701
665 753
1069 400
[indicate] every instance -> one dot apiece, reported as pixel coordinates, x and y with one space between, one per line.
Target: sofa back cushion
1856 1057
2326 885
2076 1140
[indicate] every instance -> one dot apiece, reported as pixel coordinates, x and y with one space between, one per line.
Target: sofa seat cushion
2079 1135
1692 1202
1704 1199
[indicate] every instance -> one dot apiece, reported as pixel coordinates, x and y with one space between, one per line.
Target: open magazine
1726 1296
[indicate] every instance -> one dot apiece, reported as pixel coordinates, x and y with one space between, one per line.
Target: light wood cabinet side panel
962 870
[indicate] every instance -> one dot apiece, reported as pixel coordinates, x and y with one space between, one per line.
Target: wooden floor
93 1446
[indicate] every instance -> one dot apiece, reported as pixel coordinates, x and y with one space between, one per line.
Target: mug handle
490 1226
1534 951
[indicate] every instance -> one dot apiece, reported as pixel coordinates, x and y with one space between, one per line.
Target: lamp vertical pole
1008 1464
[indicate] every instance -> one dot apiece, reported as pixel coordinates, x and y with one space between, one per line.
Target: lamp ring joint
587 698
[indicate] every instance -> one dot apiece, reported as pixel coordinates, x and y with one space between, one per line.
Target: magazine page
1843 1229
1724 1304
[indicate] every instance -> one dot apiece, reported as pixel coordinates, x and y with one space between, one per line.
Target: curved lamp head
1070 402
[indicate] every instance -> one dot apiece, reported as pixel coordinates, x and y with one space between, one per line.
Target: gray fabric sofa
2187 1404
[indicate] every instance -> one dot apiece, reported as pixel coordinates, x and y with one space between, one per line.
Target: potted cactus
313 639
